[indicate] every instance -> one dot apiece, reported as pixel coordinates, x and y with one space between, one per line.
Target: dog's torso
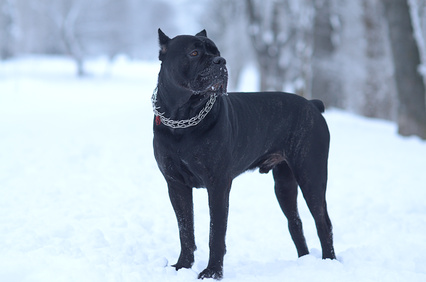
242 132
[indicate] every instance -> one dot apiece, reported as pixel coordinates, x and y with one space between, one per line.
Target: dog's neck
186 113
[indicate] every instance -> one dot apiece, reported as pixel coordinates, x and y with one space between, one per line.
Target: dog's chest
188 170
182 161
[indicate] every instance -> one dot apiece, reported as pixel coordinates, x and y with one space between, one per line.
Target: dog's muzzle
221 86
213 79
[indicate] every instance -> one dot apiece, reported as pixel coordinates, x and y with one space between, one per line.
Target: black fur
274 131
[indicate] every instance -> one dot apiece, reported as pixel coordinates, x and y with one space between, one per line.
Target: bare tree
409 82
281 32
62 19
7 28
67 18
418 19
326 80
226 24
379 98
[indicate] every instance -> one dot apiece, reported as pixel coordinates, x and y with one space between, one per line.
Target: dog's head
193 63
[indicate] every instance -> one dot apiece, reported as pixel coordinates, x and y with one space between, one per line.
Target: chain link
186 122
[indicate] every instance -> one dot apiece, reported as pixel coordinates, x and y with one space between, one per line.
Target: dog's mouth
218 88
211 81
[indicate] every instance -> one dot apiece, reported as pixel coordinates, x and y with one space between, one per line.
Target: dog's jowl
205 137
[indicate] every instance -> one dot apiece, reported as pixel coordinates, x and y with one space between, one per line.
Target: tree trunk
409 82
267 51
281 32
6 29
379 97
326 82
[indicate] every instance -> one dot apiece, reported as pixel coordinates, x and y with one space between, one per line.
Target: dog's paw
184 262
211 273
182 265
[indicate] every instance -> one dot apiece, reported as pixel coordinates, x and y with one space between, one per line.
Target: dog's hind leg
313 185
286 192
181 198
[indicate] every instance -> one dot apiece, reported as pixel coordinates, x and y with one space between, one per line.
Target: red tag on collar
157 120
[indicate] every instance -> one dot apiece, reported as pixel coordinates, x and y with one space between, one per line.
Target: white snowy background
81 197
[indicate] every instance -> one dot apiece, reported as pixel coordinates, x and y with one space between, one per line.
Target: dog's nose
219 60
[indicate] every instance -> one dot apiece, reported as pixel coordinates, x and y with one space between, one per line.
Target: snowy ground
81 198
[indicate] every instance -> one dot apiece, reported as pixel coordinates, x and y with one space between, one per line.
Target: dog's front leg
219 206
181 198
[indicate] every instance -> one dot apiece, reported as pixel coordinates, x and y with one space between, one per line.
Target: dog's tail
318 104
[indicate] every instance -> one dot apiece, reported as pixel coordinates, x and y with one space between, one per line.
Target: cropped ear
164 42
202 33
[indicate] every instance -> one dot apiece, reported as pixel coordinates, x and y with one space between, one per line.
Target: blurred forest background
365 56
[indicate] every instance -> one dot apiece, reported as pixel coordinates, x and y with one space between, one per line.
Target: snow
81 197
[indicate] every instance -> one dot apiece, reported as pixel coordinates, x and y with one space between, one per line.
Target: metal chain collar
186 122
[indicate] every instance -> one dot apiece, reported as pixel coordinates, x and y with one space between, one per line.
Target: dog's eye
194 53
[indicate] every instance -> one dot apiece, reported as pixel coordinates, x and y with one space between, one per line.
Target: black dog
204 137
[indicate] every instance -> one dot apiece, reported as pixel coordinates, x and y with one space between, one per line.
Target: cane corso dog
205 137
